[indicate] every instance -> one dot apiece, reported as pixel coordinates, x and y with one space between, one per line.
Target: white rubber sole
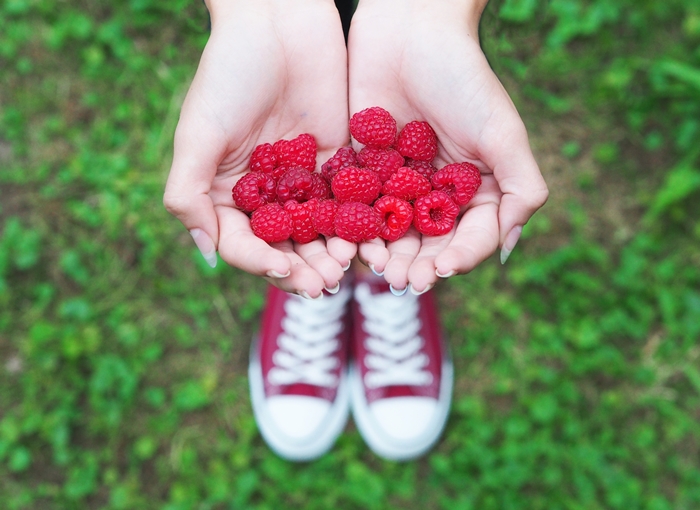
312 446
389 447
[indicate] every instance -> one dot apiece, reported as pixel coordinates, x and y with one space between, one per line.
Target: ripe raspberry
344 157
271 223
406 184
382 161
253 190
459 180
353 184
396 216
324 220
300 151
417 140
319 187
425 168
263 159
435 214
357 222
296 184
374 127
303 230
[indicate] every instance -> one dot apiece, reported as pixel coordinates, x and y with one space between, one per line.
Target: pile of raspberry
380 191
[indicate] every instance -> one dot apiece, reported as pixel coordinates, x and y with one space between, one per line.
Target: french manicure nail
446 275
416 293
371 266
348 266
334 290
398 292
205 245
510 242
306 295
274 274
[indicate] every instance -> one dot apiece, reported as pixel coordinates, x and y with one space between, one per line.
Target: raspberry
406 184
425 168
434 214
253 190
396 216
374 127
303 230
300 151
296 184
324 220
459 180
345 156
271 223
417 140
263 159
382 161
352 184
357 222
319 187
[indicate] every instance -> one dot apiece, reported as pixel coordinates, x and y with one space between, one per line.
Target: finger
302 279
187 193
239 247
316 255
421 274
402 253
475 239
342 251
374 254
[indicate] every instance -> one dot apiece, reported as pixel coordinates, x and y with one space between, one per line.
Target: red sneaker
297 373
401 373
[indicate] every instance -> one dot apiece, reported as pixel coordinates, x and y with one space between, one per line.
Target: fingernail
398 292
510 242
274 274
447 275
334 290
348 266
205 245
371 266
306 295
415 293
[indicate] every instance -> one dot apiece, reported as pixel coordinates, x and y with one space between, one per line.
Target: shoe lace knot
309 343
394 345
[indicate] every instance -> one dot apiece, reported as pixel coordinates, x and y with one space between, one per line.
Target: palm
439 74
251 89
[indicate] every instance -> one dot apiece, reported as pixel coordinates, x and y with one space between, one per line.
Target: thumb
187 192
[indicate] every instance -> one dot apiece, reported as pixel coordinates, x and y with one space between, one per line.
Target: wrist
224 9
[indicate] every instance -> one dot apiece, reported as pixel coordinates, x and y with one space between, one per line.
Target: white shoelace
393 343
308 342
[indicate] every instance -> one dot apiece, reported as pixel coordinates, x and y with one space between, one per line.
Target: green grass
123 355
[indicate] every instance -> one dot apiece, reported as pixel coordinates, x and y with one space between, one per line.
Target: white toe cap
404 418
297 416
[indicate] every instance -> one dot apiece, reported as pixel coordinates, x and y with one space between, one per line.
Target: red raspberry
406 184
357 222
303 230
353 184
300 151
271 223
253 190
319 187
296 184
324 221
396 216
344 157
435 214
383 161
459 180
374 127
425 168
263 159
417 140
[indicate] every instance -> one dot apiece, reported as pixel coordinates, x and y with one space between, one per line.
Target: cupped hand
422 60
271 70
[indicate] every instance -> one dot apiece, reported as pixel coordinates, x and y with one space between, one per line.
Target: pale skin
262 77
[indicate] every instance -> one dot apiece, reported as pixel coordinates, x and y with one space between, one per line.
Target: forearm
223 9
